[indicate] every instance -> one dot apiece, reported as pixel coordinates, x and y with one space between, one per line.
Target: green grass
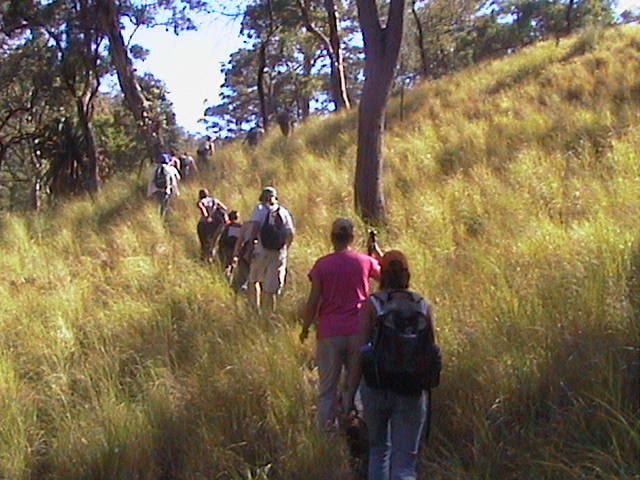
513 187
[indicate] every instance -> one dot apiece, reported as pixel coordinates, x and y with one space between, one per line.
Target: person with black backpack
272 225
213 217
163 183
399 361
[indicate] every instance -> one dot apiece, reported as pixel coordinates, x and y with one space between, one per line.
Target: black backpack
227 241
160 177
402 356
219 215
274 233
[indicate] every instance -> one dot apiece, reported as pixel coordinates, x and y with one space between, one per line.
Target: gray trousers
334 356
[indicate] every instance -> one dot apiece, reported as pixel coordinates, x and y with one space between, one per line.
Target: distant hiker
339 286
163 183
189 167
237 272
175 162
213 217
399 359
205 151
253 136
273 226
285 122
228 238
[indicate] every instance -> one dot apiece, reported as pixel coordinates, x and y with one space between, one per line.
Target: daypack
161 177
402 356
274 233
229 236
219 215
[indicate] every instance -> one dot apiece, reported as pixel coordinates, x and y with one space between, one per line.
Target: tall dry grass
513 188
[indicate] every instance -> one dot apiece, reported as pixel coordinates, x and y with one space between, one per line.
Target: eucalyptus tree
330 39
30 101
173 14
382 48
77 63
440 33
279 71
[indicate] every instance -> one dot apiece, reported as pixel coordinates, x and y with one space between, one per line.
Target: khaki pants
269 267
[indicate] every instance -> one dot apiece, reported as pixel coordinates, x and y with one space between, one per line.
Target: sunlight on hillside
513 188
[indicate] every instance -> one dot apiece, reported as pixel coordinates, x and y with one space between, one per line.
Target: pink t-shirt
344 280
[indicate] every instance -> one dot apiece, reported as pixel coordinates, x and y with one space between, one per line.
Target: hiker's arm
203 209
291 231
247 233
367 317
376 251
433 320
311 308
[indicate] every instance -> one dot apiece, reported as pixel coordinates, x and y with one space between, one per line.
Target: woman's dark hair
204 193
394 276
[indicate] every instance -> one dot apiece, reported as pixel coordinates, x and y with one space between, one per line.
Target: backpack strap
269 213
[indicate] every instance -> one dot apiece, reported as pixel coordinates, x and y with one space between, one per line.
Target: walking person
340 284
394 402
205 150
213 216
189 167
163 184
273 227
229 238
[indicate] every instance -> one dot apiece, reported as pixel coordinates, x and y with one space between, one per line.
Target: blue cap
165 159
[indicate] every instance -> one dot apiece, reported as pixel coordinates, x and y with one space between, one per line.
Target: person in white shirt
163 183
272 225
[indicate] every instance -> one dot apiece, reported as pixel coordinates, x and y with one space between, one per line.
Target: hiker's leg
159 198
202 236
328 358
407 420
164 209
276 269
377 411
255 293
352 354
269 301
257 276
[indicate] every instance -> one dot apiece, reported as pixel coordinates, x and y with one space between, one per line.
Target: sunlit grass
512 187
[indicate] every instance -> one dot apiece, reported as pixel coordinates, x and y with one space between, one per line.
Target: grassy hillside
514 189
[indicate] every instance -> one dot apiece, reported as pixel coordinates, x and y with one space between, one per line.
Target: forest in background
61 134
513 189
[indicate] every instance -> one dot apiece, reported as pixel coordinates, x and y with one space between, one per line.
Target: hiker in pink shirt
339 287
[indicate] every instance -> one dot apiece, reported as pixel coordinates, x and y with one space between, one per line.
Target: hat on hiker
267 193
342 226
394 259
165 158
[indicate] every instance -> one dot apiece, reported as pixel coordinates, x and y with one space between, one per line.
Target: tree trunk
331 45
262 63
338 78
420 41
127 79
382 49
569 16
90 175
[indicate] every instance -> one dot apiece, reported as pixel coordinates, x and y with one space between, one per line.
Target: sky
190 64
